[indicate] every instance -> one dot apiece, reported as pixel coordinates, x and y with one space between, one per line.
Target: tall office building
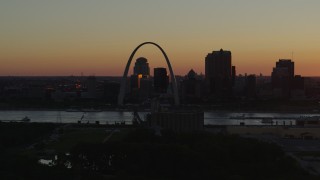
140 70
141 67
218 64
288 64
284 80
160 80
282 75
218 72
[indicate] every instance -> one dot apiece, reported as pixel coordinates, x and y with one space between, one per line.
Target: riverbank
131 109
126 117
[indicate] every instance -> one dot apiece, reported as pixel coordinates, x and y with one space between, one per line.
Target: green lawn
312 154
73 136
119 134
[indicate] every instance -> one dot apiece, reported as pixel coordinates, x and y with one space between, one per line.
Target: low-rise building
178 121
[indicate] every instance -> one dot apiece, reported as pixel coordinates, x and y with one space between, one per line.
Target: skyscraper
141 67
282 74
160 80
218 64
288 64
218 72
140 70
283 78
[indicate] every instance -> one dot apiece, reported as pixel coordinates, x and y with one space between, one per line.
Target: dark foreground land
134 153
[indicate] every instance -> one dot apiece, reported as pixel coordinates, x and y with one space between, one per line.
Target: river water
110 117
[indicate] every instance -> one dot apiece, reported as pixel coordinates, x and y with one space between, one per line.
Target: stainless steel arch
125 74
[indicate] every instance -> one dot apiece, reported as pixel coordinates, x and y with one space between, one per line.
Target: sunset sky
96 37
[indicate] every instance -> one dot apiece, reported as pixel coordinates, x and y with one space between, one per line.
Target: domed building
141 67
191 88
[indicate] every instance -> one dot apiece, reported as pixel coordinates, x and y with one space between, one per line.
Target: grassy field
72 136
138 153
311 154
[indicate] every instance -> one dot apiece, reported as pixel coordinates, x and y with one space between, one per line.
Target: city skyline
96 38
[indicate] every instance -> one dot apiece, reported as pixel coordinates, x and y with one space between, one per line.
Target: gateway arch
125 74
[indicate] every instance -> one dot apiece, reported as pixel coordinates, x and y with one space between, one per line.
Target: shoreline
148 110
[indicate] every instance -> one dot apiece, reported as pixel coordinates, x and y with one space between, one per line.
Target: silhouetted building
286 63
140 87
179 121
281 78
298 87
298 82
91 84
134 88
218 64
111 91
264 87
145 89
239 85
141 67
134 81
176 120
312 87
250 86
191 88
284 82
160 80
36 91
218 72
233 72
59 89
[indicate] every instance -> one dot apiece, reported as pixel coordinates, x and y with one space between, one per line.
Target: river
110 117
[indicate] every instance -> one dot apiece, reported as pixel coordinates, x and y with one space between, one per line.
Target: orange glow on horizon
245 62
48 38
